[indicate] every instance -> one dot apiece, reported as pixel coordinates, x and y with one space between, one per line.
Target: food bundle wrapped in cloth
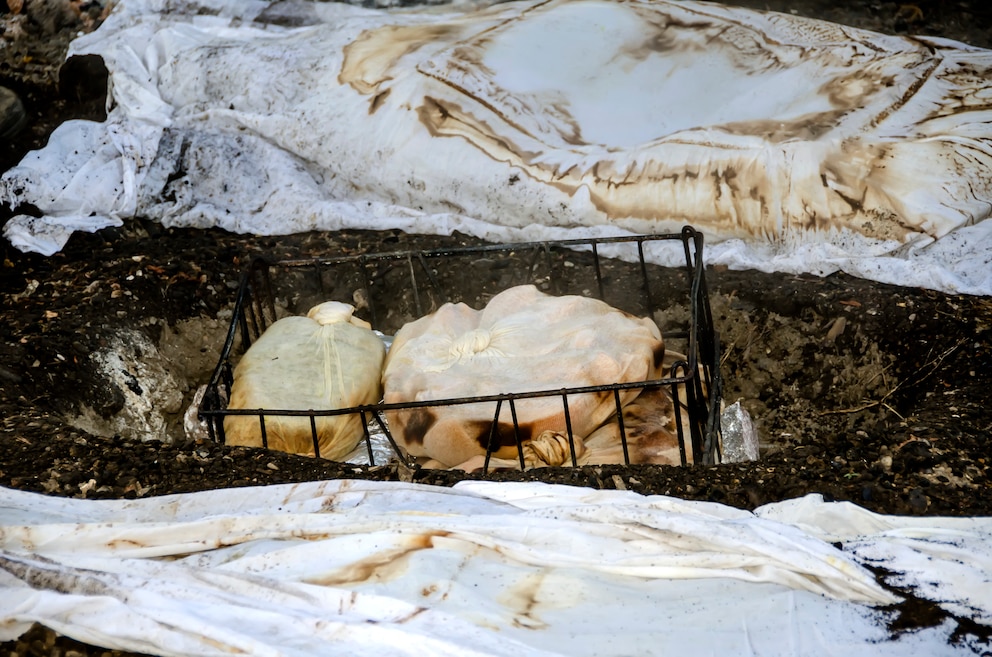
522 341
324 361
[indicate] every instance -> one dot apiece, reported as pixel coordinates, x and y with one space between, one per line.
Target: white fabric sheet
794 145
352 567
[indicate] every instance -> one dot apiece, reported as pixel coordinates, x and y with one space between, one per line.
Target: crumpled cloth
794 145
349 567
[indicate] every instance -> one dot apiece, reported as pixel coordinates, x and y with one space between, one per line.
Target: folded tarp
799 145
351 567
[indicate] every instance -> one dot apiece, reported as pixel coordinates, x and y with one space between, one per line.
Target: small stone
13 118
918 500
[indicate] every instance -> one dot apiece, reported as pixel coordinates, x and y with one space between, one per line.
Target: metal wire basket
390 289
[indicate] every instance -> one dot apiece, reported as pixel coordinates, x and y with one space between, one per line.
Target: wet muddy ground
864 392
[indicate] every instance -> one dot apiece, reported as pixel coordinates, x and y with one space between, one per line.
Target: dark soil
862 392
913 440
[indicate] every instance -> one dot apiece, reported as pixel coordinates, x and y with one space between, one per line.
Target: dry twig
932 364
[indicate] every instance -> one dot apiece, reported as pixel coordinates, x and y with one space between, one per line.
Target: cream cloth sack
649 422
326 360
522 341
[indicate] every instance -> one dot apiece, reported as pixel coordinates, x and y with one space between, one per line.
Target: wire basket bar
416 283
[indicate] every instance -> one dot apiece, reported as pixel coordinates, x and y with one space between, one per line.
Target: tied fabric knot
469 344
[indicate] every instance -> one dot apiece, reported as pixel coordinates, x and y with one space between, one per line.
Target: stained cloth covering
795 145
353 567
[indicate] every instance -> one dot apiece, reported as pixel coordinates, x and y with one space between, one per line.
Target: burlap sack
523 340
326 360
